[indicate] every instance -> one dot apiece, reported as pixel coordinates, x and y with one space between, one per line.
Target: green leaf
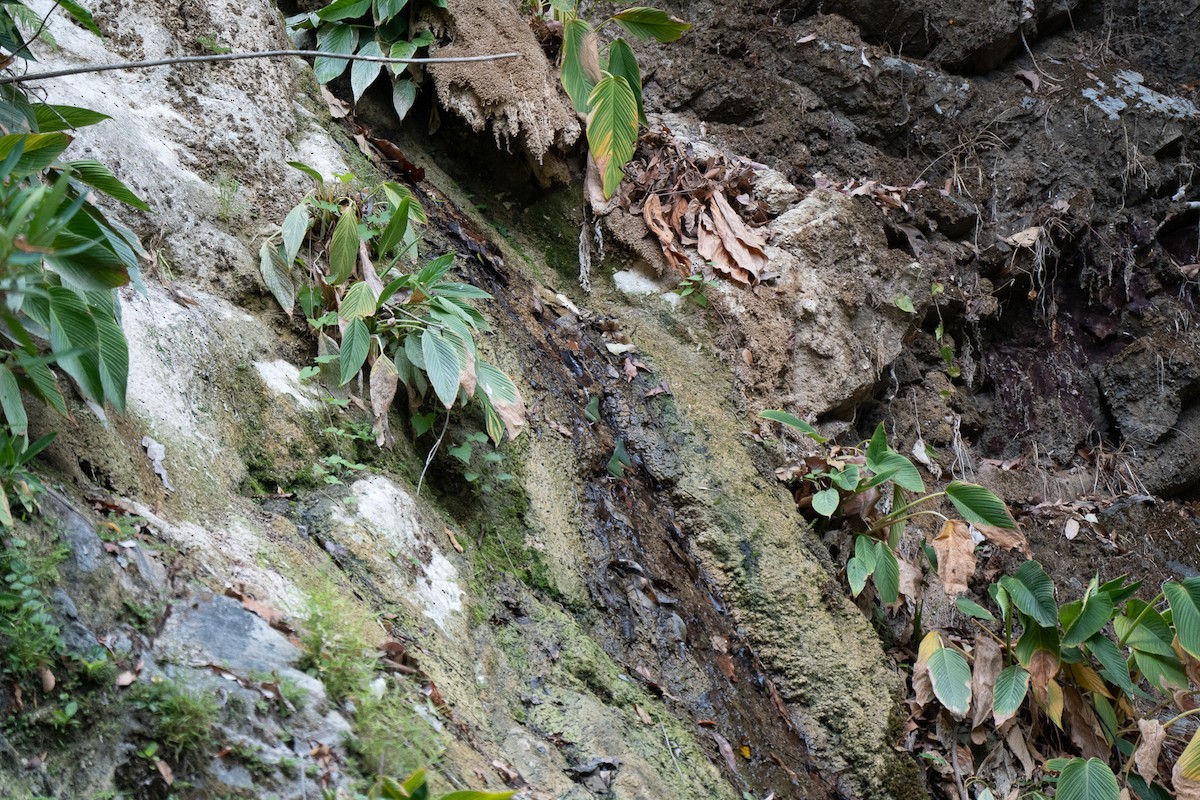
1009 692
98 176
80 15
473 795
877 447
1185 613
307 170
393 234
1087 780
856 575
1152 635
277 276
386 9
951 679
612 128
52 118
1163 672
364 73
358 302
73 339
887 574
343 246
40 150
580 63
978 505
1113 665
1094 613
344 9
295 228
1189 759
45 385
334 38
462 452
1118 591
866 550
646 23
825 502
1034 638
404 94
10 401
904 303
793 422
503 396
441 364
973 609
113 352
622 61
846 479
356 341
891 466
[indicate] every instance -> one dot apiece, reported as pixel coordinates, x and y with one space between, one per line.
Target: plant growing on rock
605 84
849 484
418 329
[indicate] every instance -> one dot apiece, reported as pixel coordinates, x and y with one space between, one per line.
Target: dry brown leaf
1083 725
1054 703
1089 679
956 556
48 680
652 213
1020 748
922 685
988 663
1148 749
125 679
1024 238
712 249
164 769
384 381
1043 666
910 581
643 716
458 548
743 245
726 751
1034 80
1005 538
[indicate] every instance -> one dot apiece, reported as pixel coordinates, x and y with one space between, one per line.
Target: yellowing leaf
612 128
580 63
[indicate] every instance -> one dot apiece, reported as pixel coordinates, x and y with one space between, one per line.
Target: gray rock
218 630
77 531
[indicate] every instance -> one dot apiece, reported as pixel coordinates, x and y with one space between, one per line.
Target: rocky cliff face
673 634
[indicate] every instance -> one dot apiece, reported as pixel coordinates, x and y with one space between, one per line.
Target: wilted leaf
652 214
612 126
503 396
1149 747
1025 238
1083 725
956 556
989 661
385 379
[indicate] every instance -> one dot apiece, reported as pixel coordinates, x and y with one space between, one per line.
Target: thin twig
162 62
432 452
670 749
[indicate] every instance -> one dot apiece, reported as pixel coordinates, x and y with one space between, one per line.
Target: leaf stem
1138 620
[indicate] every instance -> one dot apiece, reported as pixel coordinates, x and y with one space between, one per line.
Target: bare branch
163 62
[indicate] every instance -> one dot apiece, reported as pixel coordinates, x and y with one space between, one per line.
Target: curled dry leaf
1083 725
988 663
956 556
1146 756
1005 538
652 213
1043 666
1024 238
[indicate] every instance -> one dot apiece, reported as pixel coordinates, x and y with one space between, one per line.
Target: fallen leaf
726 665
1015 738
653 215
1083 725
988 663
726 751
1146 756
956 556
1071 529
458 548
48 680
125 679
1024 238
619 348
164 769
1034 80
643 716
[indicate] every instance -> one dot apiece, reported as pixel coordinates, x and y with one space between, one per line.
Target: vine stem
164 62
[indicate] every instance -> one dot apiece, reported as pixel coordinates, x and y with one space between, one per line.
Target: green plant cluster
415 787
605 84
369 28
418 329
181 719
30 639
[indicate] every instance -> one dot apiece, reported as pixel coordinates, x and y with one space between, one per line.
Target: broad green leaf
503 396
1185 613
277 276
1009 692
1107 716
1189 759
856 575
580 63
1034 638
84 263
16 113
98 176
1087 780
356 341
73 339
334 38
622 61
364 73
10 401
45 385
887 574
1113 665
904 303
973 609
80 15
344 9
825 502
612 128
1032 591
891 466
40 150
847 478
357 302
404 94
113 352
866 550
1118 591
876 447
295 228
441 364
978 505
393 233
1094 613
52 118
951 679
386 9
793 422
1163 672
646 23
307 170
1152 634
343 246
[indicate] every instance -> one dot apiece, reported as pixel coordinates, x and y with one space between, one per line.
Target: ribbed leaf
10 401
1163 672
612 128
887 574
364 73
40 150
1185 612
1009 692
646 23
1031 591
503 396
1087 780
1152 634
1035 638
355 343
357 302
891 466
580 63
978 505
951 679
404 94
344 9
1094 612
334 38
113 352
45 385
80 15
52 118
622 61
1189 760
98 176
793 422
386 9
393 234
277 276
856 575
343 246
295 228
73 339
441 365
1113 665
973 609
